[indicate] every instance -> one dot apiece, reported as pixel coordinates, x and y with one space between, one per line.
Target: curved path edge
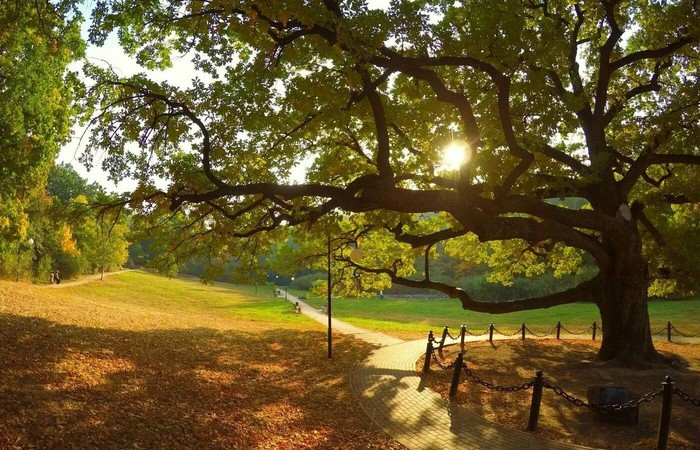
392 394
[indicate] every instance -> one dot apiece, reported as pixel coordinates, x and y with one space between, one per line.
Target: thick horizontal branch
417 241
564 158
656 53
675 159
680 199
584 292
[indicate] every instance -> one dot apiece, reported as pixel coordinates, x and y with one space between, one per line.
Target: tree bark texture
623 305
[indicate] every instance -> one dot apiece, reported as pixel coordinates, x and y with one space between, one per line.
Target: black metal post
330 333
668 387
491 327
536 401
456 375
522 331
428 353
442 341
462 334
595 327
668 330
558 330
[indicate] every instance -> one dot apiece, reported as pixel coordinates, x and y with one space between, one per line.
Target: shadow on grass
101 388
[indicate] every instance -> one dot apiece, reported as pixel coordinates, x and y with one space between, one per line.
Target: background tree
591 99
38 41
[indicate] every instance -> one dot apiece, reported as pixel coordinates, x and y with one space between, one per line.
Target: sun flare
455 155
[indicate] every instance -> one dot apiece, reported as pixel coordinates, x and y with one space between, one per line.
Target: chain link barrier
680 333
478 334
441 364
576 333
649 397
661 332
686 397
551 333
478 380
518 331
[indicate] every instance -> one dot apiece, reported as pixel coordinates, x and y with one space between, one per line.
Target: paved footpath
392 394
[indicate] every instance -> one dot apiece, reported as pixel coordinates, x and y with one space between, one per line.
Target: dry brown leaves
571 366
76 375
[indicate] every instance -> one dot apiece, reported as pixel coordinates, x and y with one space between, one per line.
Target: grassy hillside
140 361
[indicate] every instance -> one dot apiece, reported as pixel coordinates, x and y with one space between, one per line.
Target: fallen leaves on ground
91 374
571 365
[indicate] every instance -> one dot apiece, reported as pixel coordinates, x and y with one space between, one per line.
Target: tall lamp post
330 334
286 291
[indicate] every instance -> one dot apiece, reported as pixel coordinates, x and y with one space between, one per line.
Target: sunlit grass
142 361
151 300
415 317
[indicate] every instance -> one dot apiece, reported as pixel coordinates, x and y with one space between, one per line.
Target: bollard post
668 328
536 401
462 334
558 330
428 353
491 327
522 329
442 341
595 327
668 387
456 375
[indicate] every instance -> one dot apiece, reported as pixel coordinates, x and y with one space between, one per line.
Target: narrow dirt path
83 280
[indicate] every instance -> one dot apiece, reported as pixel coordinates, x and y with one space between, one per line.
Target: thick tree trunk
623 309
626 332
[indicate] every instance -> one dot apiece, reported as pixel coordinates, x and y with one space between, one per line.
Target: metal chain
616 407
684 334
440 364
540 335
685 397
577 333
479 334
661 331
486 384
506 334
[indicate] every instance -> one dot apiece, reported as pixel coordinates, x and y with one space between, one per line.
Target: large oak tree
590 99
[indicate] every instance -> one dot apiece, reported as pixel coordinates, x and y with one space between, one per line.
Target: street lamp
286 291
330 333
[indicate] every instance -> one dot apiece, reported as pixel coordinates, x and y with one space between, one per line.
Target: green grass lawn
187 294
417 316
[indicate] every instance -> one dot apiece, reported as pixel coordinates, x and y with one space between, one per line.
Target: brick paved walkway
392 394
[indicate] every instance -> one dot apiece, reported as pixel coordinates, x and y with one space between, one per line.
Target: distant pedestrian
297 308
57 278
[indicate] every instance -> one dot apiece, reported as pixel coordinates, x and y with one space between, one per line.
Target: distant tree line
66 232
